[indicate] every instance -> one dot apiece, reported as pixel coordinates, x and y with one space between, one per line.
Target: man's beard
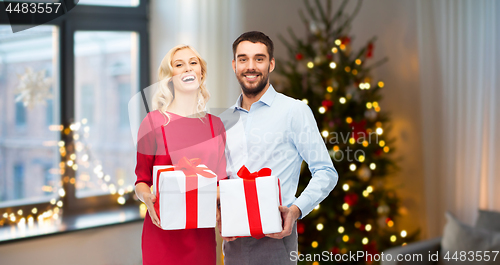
252 92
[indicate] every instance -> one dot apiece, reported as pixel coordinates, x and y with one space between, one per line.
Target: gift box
186 195
250 204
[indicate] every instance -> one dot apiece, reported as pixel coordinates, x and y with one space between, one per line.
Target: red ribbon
252 199
191 170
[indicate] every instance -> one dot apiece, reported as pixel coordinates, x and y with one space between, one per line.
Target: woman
178 127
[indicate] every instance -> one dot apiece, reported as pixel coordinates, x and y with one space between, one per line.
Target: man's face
252 67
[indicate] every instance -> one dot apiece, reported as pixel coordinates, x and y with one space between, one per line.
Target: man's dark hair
255 36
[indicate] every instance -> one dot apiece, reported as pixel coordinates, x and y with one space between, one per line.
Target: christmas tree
335 81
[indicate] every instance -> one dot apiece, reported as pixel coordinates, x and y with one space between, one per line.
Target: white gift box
172 199
234 214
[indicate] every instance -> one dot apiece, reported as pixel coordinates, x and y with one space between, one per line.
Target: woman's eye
178 65
194 63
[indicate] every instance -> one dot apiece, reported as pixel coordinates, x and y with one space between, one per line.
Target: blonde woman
178 127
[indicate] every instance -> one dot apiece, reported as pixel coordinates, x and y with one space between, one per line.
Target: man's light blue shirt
280 132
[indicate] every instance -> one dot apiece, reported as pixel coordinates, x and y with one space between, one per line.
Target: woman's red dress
185 137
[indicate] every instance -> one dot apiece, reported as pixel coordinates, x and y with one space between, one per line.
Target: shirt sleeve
146 150
309 143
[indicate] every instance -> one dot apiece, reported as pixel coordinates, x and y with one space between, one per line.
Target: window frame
87 18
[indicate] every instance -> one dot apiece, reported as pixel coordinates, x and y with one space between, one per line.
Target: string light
403 233
342 100
373 166
365 143
333 65
368 227
322 110
364 241
393 238
345 206
338 42
352 167
319 227
361 158
381 84
369 189
390 223
347 69
386 149
121 200
325 133
369 105
365 193
345 238
358 61
329 89
310 65
314 244
352 141
335 50
379 131
348 120
341 229
305 100
345 187
317 207
381 143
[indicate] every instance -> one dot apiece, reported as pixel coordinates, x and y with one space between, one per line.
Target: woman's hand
144 194
150 199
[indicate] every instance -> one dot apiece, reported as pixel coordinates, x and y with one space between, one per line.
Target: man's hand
219 223
289 216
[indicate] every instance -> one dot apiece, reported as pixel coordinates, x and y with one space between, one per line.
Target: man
269 129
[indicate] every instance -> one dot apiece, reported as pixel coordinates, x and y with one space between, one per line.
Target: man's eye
260 60
243 60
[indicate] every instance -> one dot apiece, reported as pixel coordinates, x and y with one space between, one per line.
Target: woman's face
186 73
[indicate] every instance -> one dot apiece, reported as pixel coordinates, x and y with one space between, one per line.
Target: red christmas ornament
299 56
300 227
327 103
345 40
359 129
370 248
335 250
369 50
351 199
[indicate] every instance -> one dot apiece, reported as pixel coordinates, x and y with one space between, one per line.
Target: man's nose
251 65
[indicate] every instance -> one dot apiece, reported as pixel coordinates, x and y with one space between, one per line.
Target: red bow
191 170
252 199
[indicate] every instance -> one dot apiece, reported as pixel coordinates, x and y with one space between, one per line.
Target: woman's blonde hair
165 94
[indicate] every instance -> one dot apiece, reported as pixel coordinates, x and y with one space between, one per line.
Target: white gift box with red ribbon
186 195
250 204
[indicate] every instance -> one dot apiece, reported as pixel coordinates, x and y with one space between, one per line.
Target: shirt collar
267 98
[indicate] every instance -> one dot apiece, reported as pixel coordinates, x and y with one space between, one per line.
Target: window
70 148
105 58
20 114
124 3
29 86
18 189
